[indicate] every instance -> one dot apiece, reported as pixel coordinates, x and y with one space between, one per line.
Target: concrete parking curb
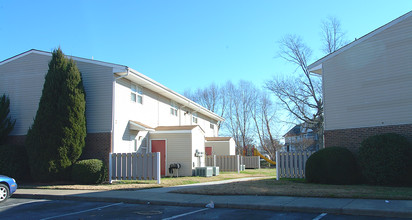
289 204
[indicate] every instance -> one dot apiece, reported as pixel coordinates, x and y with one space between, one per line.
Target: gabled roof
316 67
298 130
135 76
218 138
295 131
138 126
177 129
34 51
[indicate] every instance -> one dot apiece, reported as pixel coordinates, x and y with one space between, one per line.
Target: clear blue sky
184 44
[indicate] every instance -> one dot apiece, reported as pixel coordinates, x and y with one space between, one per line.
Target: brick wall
98 146
352 138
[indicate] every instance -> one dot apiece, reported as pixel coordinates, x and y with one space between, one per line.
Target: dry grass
293 187
165 182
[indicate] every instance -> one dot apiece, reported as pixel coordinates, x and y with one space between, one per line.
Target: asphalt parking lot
68 209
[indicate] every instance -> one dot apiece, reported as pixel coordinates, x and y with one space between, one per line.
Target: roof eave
316 69
163 90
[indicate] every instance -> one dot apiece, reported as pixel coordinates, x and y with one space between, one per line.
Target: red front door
208 151
160 146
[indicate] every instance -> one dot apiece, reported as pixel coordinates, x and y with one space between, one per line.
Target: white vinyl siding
156 111
179 147
222 147
370 84
198 144
98 83
23 78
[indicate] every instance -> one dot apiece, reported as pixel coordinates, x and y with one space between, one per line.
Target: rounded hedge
385 159
14 162
332 165
90 171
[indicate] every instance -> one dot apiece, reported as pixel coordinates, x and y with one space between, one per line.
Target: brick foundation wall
98 145
352 138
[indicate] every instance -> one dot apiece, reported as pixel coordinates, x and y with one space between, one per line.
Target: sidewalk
162 196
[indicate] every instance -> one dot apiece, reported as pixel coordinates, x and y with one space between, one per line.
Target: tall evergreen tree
6 123
57 137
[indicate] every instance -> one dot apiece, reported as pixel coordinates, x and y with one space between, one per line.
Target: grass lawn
267 185
165 181
298 187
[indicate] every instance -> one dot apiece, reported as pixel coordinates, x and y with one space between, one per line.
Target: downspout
113 118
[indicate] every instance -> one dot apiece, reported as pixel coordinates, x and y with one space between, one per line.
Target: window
135 145
194 118
212 126
136 94
173 109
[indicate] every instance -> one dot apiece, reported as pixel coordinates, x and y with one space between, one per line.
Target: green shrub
90 171
6 123
332 165
385 159
13 162
57 137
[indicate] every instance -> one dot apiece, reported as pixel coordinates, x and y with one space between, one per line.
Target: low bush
14 162
332 165
386 159
91 171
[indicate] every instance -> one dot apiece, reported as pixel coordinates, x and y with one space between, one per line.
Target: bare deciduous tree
264 115
212 97
302 97
332 35
241 99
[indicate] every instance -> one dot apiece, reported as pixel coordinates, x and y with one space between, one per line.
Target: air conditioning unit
204 171
199 154
215 171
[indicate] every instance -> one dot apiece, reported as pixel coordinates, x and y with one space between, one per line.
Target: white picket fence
134 166
291 164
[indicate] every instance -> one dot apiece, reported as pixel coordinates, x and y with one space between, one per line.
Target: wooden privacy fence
251 162
229 163
134 166
291 164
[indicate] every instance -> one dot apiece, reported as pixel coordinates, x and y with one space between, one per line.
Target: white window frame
173 108
194 118
136 92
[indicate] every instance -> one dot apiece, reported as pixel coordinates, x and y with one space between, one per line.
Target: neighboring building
300 137
126 111
220 146
367 85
